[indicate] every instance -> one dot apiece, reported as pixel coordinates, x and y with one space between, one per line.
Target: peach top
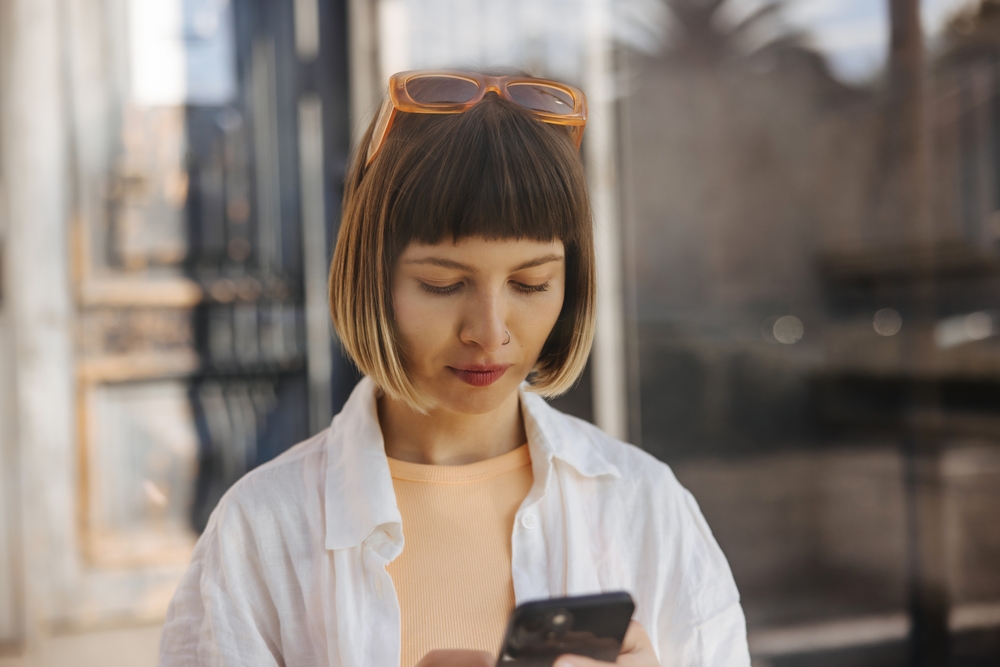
453 577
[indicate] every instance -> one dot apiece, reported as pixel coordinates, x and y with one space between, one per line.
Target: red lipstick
479 375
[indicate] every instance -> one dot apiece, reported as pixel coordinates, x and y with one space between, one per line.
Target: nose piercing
508 338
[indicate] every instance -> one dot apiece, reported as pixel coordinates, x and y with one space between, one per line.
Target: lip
479 375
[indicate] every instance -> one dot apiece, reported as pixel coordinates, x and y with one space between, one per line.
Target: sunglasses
444 92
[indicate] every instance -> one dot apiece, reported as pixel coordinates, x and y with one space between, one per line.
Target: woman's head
464 202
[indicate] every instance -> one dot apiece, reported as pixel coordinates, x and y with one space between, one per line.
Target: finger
636 640
457 659
636 650
578 661
640 658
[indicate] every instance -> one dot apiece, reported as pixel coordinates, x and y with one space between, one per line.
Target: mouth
480 375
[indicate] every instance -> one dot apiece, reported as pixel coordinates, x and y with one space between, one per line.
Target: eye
431 289
531 289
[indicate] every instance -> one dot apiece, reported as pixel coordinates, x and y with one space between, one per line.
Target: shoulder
653 513
260 539
630 466
630 460
288 476
280 496
652 506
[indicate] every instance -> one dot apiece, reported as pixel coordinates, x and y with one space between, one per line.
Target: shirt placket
368 617
531 540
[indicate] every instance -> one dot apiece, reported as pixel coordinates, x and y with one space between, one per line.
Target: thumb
578 661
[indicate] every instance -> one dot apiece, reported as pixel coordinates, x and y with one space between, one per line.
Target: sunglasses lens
541 97
441 89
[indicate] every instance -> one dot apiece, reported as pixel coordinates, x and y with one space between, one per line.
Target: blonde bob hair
493 172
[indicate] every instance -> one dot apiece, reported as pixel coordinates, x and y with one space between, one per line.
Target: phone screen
591 625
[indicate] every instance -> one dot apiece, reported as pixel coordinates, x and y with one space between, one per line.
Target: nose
483 323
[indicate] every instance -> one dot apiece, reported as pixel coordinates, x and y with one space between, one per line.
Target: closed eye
531 289
431 289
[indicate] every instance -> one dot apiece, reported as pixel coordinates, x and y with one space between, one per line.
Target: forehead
477 254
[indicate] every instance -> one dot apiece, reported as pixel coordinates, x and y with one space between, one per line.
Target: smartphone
542 630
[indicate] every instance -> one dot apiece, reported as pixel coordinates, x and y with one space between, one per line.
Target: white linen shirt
291 568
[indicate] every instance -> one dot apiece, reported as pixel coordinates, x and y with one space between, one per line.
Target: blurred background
798 220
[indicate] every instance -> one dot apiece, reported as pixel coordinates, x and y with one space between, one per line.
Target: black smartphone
542 630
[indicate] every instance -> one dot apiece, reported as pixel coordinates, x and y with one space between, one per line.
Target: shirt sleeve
221 614
704 626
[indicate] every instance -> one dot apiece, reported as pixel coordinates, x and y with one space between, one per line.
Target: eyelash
440 290
531 289
450 289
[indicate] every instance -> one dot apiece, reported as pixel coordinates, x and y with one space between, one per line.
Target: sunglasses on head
446 92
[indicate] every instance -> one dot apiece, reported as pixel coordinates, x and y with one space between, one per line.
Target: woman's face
455 304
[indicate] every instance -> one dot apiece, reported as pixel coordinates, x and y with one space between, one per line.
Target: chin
469 400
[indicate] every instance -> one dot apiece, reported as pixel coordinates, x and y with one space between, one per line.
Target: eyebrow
458 266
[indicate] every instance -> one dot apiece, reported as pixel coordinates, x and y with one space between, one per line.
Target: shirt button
529 521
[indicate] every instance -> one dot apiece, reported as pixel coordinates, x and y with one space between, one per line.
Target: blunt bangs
493 172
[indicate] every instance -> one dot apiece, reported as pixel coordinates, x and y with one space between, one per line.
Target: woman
463 286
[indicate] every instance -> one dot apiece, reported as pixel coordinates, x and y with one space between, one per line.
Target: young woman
447 489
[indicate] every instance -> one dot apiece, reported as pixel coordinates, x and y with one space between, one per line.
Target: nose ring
508 338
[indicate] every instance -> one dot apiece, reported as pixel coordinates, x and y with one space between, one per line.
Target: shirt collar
357 470
359 493
555 435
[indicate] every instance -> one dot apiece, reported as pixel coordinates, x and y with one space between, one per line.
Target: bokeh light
887 322
788 329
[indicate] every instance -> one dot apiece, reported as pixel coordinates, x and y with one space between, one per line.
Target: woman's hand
457 659
637 651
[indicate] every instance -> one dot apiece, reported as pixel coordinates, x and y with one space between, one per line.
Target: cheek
539 317
419 320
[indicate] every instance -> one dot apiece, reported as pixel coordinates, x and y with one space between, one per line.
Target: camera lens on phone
534 623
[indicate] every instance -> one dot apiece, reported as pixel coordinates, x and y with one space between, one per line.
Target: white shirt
291 568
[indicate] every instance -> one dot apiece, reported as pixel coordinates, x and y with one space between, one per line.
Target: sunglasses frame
399 100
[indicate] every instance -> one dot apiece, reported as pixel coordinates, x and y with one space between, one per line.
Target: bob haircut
493 172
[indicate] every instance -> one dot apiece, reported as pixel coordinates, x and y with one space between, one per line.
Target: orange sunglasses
447 92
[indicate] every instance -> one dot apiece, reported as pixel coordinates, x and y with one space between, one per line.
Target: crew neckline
460 474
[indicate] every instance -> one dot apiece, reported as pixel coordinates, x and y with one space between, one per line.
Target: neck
448 438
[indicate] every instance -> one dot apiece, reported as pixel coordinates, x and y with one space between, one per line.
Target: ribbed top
453 578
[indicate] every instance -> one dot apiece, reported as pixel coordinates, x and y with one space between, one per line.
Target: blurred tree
972 33
703 34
